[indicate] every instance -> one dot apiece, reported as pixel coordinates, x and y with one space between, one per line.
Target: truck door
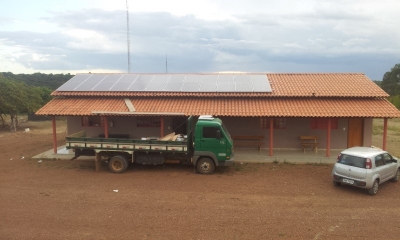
213 141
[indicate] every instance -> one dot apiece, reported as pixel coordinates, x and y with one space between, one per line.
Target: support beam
328 138
162 127
384 133
97 162
105 121
271 136
54 135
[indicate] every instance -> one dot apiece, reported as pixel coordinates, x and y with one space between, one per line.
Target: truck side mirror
218 134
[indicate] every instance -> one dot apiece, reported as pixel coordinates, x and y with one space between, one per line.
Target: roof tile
238 107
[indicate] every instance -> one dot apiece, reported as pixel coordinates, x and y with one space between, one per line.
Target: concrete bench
309 141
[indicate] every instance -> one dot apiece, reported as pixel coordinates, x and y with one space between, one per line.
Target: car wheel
374 188
397 176
205 166
336 183
118 164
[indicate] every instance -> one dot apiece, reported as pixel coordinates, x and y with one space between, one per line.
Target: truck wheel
374 188
205 166
118 164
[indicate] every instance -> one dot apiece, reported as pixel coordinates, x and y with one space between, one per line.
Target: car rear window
352 161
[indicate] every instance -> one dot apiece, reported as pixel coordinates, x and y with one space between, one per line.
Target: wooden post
97 162
105 120
54 135
328 138
384 133
271 136
162 127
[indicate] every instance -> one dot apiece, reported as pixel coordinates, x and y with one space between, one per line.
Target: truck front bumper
228 162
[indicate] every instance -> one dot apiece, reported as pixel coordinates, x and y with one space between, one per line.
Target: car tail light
338 158
368 164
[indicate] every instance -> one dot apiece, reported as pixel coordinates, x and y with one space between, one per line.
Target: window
92 121
388 158
322 123
378 161
352 161
279 123
211 132
148 122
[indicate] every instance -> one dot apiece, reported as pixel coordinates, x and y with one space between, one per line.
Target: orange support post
162 127
384 133
271 136
54 135
105 120
328 138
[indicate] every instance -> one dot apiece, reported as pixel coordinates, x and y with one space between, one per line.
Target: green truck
207 145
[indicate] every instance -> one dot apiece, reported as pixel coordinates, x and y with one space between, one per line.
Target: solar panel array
168 83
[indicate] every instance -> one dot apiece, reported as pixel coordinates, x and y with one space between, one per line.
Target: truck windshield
352 161
226 132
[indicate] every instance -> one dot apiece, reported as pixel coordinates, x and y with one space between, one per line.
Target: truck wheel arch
199 155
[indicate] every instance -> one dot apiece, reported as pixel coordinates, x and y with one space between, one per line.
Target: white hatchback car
366 168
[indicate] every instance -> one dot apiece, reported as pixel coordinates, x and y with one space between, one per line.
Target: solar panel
121 86
193 78
173 87
190 87
225 78
138 86
208 87
226 87
244 87
168 83
69 86
103 86
243 78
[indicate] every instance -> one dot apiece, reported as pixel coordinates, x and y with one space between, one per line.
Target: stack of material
171 137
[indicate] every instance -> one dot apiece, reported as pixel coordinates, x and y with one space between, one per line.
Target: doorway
355 133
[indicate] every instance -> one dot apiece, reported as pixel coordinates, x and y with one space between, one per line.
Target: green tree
391 81
395 100
16 98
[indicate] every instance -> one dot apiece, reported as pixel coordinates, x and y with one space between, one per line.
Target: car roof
365 152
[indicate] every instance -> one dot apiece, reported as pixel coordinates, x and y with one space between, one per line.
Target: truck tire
205 166
118 164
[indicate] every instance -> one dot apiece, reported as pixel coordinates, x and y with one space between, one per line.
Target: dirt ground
61 199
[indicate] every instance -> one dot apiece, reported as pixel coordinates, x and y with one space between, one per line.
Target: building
336 108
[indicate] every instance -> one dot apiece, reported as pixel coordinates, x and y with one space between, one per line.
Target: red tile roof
239 107
282 84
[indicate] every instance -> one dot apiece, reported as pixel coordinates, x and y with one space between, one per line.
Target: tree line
391 84
26 93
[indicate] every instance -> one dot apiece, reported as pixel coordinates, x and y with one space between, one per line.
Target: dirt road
69 200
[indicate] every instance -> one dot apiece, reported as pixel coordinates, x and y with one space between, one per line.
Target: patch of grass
286 162
276 161
377 130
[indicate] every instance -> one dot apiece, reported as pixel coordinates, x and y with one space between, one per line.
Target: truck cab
213 145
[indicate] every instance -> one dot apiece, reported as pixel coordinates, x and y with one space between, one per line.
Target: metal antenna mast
128 40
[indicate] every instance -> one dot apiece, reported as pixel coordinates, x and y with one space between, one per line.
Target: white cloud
207 35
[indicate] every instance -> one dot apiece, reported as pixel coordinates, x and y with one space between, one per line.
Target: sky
180 36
